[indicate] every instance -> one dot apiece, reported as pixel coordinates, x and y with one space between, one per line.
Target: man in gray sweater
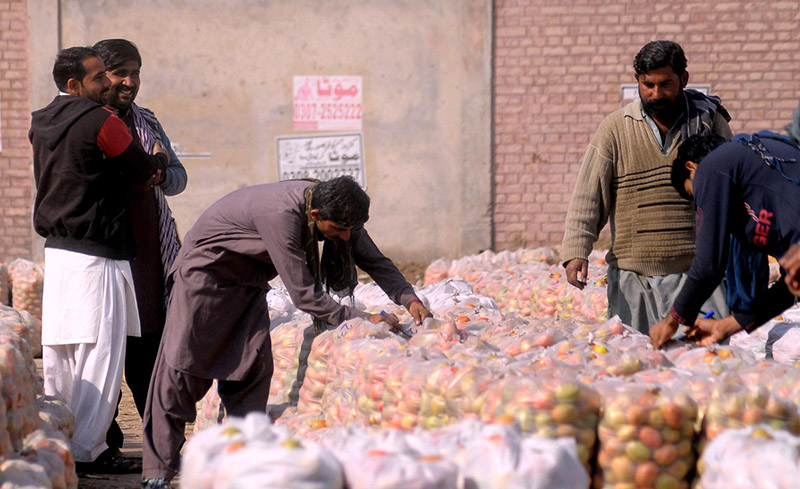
218 322
624 180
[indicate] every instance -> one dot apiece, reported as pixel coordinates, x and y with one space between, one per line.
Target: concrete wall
219 77
558 71
16 187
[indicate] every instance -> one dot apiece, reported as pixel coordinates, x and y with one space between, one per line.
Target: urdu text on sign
327 103
321 156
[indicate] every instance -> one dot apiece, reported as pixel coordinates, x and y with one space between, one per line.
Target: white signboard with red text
327 103
322 156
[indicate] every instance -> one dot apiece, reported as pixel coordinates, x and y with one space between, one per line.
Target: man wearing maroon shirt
84 163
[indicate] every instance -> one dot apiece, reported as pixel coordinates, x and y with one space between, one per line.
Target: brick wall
558 70
16 186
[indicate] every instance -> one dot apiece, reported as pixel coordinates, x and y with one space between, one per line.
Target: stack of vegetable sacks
253 453
530 283
34 448
546 376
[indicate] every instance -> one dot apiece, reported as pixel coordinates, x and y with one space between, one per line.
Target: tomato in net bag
645 436
27 283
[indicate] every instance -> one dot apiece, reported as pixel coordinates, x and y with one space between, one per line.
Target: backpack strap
753 141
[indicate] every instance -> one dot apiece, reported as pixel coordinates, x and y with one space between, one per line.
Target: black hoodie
82 194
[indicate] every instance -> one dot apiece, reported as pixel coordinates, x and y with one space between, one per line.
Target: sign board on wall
322 156
328 103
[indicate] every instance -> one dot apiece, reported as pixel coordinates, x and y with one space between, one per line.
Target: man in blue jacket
791 260
748 189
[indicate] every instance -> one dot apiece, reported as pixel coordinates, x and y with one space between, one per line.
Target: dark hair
69 64
115 52
658 54
341 200
693 149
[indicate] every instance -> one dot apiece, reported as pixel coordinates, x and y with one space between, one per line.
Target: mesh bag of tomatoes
645 436
732 404
19 387
553 403
27 283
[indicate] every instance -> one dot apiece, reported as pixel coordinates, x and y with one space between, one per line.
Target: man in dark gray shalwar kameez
217 323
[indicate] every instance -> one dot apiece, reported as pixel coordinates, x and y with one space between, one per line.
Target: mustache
662 107
661 102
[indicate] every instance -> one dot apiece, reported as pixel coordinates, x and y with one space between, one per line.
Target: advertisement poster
321 156
327 103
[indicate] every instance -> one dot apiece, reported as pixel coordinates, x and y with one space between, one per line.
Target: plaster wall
219 77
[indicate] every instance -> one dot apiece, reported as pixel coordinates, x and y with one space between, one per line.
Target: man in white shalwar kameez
88 309
84 162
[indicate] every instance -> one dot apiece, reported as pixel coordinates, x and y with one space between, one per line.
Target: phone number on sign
321 174
325 110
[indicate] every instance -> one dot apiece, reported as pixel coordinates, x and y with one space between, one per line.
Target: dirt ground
131 424
413 272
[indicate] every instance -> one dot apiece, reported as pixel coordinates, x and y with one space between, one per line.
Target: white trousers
88 375
641 301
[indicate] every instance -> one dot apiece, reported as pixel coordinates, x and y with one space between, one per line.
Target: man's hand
418 312
663 331
390 319
157 148
790 261
709 331
577 272
155 179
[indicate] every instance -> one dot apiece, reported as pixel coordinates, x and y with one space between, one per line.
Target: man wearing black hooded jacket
84 162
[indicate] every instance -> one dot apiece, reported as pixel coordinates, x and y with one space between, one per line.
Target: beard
662 108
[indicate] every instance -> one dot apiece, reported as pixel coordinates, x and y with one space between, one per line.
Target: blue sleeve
175 181
712 195
766 306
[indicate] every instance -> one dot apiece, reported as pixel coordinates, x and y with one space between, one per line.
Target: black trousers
140 359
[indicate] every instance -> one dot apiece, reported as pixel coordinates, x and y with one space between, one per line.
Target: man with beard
218 319
154 229
84 161
625 180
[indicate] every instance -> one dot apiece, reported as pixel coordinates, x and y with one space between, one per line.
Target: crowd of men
694 213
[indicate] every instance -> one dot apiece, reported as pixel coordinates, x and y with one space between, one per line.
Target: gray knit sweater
625 180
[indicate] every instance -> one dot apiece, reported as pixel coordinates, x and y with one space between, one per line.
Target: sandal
156 483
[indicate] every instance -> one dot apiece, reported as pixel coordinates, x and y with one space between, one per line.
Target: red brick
750 56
